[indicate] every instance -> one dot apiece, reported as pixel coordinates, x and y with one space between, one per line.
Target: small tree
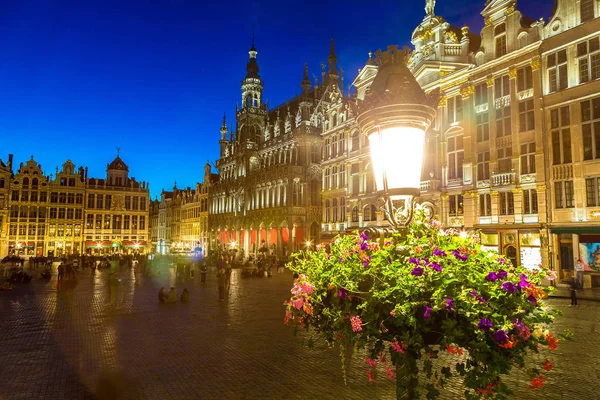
419 294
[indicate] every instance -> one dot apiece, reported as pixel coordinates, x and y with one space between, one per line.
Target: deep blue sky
79 79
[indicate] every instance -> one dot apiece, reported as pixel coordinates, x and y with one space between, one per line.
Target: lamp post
395 114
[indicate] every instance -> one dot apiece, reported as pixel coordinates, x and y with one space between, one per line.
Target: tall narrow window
563 194
530 205
455 109
524 78
561 135
504 160
557 71
500 36
485 205
481 94
455 157
327 210
526 116
342 209
334 210
592 192
355 214
507 203
483 166
590 127
503 123
588 60
528 158
483 127
455 205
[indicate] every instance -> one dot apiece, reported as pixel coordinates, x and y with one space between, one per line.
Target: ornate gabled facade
116 212
29 195
268 191
5 181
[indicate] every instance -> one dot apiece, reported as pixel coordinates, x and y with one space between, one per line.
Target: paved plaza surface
101 341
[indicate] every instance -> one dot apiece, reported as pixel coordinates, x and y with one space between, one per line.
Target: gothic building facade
268 194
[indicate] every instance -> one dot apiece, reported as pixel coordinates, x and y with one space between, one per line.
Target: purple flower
500 336
438 252
485 324
509 287
523 283
449 304
427 313
414 260
519 326
501 260
366 262
342 293
417 271
364 246
364 236
501 274
532 300
481 299
459 255
491 277
436 266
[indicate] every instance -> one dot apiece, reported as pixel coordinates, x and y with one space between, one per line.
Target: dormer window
500 35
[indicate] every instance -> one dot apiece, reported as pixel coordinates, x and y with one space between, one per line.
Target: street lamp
395 114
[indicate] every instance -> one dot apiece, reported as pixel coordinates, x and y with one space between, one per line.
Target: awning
595 230
94 243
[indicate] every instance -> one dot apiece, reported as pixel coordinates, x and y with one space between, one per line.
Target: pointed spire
332 58
224 128
305 84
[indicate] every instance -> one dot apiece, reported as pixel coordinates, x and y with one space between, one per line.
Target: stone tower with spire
251 117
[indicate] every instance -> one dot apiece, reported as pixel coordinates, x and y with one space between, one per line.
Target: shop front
574 243
520 246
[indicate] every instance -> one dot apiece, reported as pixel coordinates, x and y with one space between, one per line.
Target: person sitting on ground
185 296
162 295
172 296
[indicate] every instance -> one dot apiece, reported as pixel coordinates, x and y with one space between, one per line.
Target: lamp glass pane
397 152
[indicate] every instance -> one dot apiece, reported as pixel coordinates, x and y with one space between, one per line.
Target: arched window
355 214
34 182
500 35
367 213
25 182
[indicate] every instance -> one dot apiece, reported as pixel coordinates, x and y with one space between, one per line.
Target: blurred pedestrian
162 295
579 267
185 296
573 289
172 296
222 281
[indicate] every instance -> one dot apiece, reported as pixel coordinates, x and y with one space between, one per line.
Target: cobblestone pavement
99 341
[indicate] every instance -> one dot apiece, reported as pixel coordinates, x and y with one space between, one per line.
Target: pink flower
392 313
356 323
371 362
370 375
398 347
307 288
299 303
389 371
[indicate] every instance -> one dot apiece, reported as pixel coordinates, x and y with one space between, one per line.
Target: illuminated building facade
267 195
179 221
5 180
116 212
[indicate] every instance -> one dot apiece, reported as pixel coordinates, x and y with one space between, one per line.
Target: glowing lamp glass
397 157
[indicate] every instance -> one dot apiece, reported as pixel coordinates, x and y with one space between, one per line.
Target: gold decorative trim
467 91
488 21
454 83
465 30
489 81
443 101
512 72
510 10
535 63
541 187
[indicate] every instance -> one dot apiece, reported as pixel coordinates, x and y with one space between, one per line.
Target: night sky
79 79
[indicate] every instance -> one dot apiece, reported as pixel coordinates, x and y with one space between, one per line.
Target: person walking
185 296
579 267
222 281
203 272
573 289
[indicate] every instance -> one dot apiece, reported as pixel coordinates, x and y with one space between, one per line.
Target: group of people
171 296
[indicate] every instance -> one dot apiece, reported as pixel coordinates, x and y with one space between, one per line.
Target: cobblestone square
101 341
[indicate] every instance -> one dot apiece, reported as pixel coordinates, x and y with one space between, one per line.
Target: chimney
10 161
